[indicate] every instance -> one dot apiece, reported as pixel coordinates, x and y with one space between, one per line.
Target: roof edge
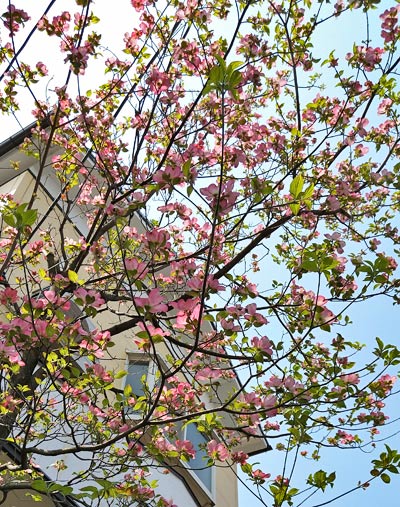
15 140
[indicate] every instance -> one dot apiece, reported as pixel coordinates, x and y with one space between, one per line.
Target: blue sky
377 317
374 318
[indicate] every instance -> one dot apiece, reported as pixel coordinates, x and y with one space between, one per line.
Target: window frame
182 435
133 356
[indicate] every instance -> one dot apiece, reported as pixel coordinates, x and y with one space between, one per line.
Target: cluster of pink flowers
9 353
57 26
8 296
183 447
152 303
89 297
390 29
158 81
136 268
259 476
14 17
366 56
221 197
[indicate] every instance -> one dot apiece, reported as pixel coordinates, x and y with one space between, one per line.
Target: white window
141 376
138 371
142 371
199 464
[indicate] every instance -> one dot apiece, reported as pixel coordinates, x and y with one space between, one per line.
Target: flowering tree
239 190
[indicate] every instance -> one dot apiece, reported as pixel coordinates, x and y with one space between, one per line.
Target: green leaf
34 498
296 186
233 66
128 390
39 485
29 217
308 192
321 479
94 492
43 274
385 478
9 219
246 468
294 208
73 277
58 488
186 168
222 62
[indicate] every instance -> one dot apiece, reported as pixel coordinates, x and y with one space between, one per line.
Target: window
141 369
136 371
198 464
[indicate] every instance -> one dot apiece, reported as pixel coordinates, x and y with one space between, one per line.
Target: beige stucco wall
226 493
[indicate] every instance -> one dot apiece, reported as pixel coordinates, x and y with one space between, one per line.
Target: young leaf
296 186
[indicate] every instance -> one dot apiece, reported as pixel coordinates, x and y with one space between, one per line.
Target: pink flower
386 383
253 316
208 374
137 268
93 348
384 106
9 403
51 296
333 203
8 296
89 297
240 457
169 176
158 81
345 438
97 411
152 330
263 344
336 237
100 372
186 310
217 451
163 445
227 198
214 284
229 325
42 69
210 192
158 237
14 17
186 447
10 354
139 5
41 327
259 476
269 403
273 381
152 303
369 57
389 18
195 284
351 378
